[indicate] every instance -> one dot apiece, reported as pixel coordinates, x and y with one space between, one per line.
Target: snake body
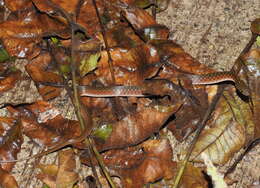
138 91
217 77
112 91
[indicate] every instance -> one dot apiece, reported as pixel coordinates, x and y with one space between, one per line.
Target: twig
199 130
249 147
78 110
110 61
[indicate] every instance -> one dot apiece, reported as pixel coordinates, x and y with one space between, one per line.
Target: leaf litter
118 44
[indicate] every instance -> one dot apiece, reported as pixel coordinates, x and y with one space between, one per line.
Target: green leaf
55 40
258 41
88 64
142 3
103 132
65 69
45 186
3 55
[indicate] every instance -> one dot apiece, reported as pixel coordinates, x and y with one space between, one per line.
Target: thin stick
78 109
199 130
110 61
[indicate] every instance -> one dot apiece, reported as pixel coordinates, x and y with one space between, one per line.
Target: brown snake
138 91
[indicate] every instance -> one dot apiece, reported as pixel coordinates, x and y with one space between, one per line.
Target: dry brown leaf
18 5
21 36
142 164
9 80
11 141
193 178
226 135
63 175
7 180
45 125
233 124
139 18
37 70
252 61
130 66
135 128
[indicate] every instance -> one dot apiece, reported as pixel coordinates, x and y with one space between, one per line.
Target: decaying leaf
255 26
11 141
100 43
21 37
193 178
225 136
62 175
7 180
44 124
18 5
137 127
37 70
142 164
252 61
8 80
233 124
88 64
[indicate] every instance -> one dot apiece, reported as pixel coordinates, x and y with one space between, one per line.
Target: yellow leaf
88 64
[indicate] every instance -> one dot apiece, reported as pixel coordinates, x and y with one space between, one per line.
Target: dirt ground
214 32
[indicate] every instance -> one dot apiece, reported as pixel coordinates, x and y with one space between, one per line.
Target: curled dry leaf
225 136
142 164
18 5
11 141
255 26
8 81
22 35
44 124
8 75
7 180
130 66
193 178
62 175
252 61
85 12
233 124
189 115
41 74
160 4
139 18
87 16
137 127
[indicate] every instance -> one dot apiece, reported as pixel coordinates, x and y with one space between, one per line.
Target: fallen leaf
142 164
11 141
18 5
88 64
8 81
45 125
37 70
62 175
193 178
21 36
138 127
7 180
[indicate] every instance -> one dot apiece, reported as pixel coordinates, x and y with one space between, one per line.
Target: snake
139 91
